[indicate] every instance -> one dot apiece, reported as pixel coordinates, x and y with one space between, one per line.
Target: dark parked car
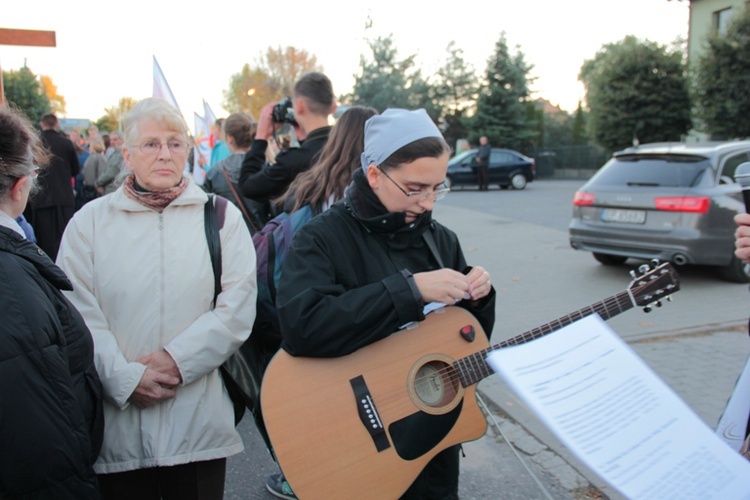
669 201
508 168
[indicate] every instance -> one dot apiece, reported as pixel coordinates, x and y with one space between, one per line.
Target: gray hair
153 108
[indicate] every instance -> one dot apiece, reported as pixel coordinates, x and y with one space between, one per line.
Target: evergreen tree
501 109
722 81
26 92
579 135
387 82
456 86
637 92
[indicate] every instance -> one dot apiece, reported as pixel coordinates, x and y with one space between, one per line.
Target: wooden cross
30 38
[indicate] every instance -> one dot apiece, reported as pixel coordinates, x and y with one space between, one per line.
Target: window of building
721 20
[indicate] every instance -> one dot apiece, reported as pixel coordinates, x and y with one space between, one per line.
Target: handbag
242 371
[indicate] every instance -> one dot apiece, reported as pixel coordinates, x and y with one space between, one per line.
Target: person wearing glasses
363 269
51 418
143 281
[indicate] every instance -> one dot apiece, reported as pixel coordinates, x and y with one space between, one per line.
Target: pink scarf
156 200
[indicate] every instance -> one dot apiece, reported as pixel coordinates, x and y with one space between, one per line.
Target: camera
283 112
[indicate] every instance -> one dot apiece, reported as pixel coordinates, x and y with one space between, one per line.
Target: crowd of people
116 322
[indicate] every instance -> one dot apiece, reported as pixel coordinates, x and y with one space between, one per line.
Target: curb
538 456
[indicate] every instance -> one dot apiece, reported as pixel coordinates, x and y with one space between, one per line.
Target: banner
202 147
210 118
161 87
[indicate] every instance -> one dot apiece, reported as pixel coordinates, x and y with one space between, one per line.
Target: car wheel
518 181
736 271
609 260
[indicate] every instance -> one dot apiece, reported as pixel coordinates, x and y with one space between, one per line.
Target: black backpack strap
430 240
214 213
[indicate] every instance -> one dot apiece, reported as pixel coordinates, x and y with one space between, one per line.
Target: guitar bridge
368 413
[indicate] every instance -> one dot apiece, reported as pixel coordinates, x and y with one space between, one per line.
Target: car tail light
695 204
583 199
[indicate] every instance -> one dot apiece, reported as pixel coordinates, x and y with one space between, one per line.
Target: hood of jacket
12 242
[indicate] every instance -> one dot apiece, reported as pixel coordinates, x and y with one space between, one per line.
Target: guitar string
450 375
623 301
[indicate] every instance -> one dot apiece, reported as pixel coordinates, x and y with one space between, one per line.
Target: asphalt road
520 237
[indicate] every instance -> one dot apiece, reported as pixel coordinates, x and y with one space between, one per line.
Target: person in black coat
313 102
364 269
51 418
483 160
50 209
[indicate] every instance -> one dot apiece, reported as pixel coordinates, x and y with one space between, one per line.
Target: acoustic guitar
369 422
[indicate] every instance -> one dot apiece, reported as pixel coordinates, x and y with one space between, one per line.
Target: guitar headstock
654 283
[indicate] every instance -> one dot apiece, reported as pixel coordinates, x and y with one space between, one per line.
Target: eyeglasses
152 147
437 194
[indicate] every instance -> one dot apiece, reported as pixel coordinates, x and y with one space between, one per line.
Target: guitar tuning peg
657 303
647 309
655 263
643 268
633 274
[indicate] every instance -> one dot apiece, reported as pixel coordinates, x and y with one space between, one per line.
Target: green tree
455 88
384 81
269 79
636 91
722 81
26 92
249 91
112 119
578 134
537 122
501 109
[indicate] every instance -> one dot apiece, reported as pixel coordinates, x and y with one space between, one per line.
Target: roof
698 148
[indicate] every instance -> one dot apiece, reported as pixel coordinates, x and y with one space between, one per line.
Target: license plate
624 216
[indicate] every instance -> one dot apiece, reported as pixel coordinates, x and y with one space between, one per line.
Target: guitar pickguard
417 434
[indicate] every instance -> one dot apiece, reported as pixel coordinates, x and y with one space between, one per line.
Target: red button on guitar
468 333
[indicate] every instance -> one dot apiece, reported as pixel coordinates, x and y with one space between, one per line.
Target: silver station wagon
668 201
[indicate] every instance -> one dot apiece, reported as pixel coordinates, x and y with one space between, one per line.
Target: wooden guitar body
370 421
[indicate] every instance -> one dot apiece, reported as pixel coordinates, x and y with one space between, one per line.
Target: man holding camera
313 102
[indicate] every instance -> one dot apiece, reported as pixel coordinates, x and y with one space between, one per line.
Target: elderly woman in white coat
143 280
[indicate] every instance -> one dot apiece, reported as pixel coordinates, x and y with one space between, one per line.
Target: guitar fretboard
473 368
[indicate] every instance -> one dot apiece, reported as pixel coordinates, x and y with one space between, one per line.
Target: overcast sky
100 58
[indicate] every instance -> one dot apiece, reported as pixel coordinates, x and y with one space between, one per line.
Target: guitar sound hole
435 385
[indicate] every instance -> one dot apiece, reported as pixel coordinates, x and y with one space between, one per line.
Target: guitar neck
473 368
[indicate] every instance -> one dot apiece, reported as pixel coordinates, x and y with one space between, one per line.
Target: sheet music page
618 417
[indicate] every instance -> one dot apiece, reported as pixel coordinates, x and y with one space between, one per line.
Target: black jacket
262 181
483 154
51 419
55 179
345 282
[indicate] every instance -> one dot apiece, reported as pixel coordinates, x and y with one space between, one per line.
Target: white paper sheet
612 411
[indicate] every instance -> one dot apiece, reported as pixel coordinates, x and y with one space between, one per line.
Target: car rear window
653 170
